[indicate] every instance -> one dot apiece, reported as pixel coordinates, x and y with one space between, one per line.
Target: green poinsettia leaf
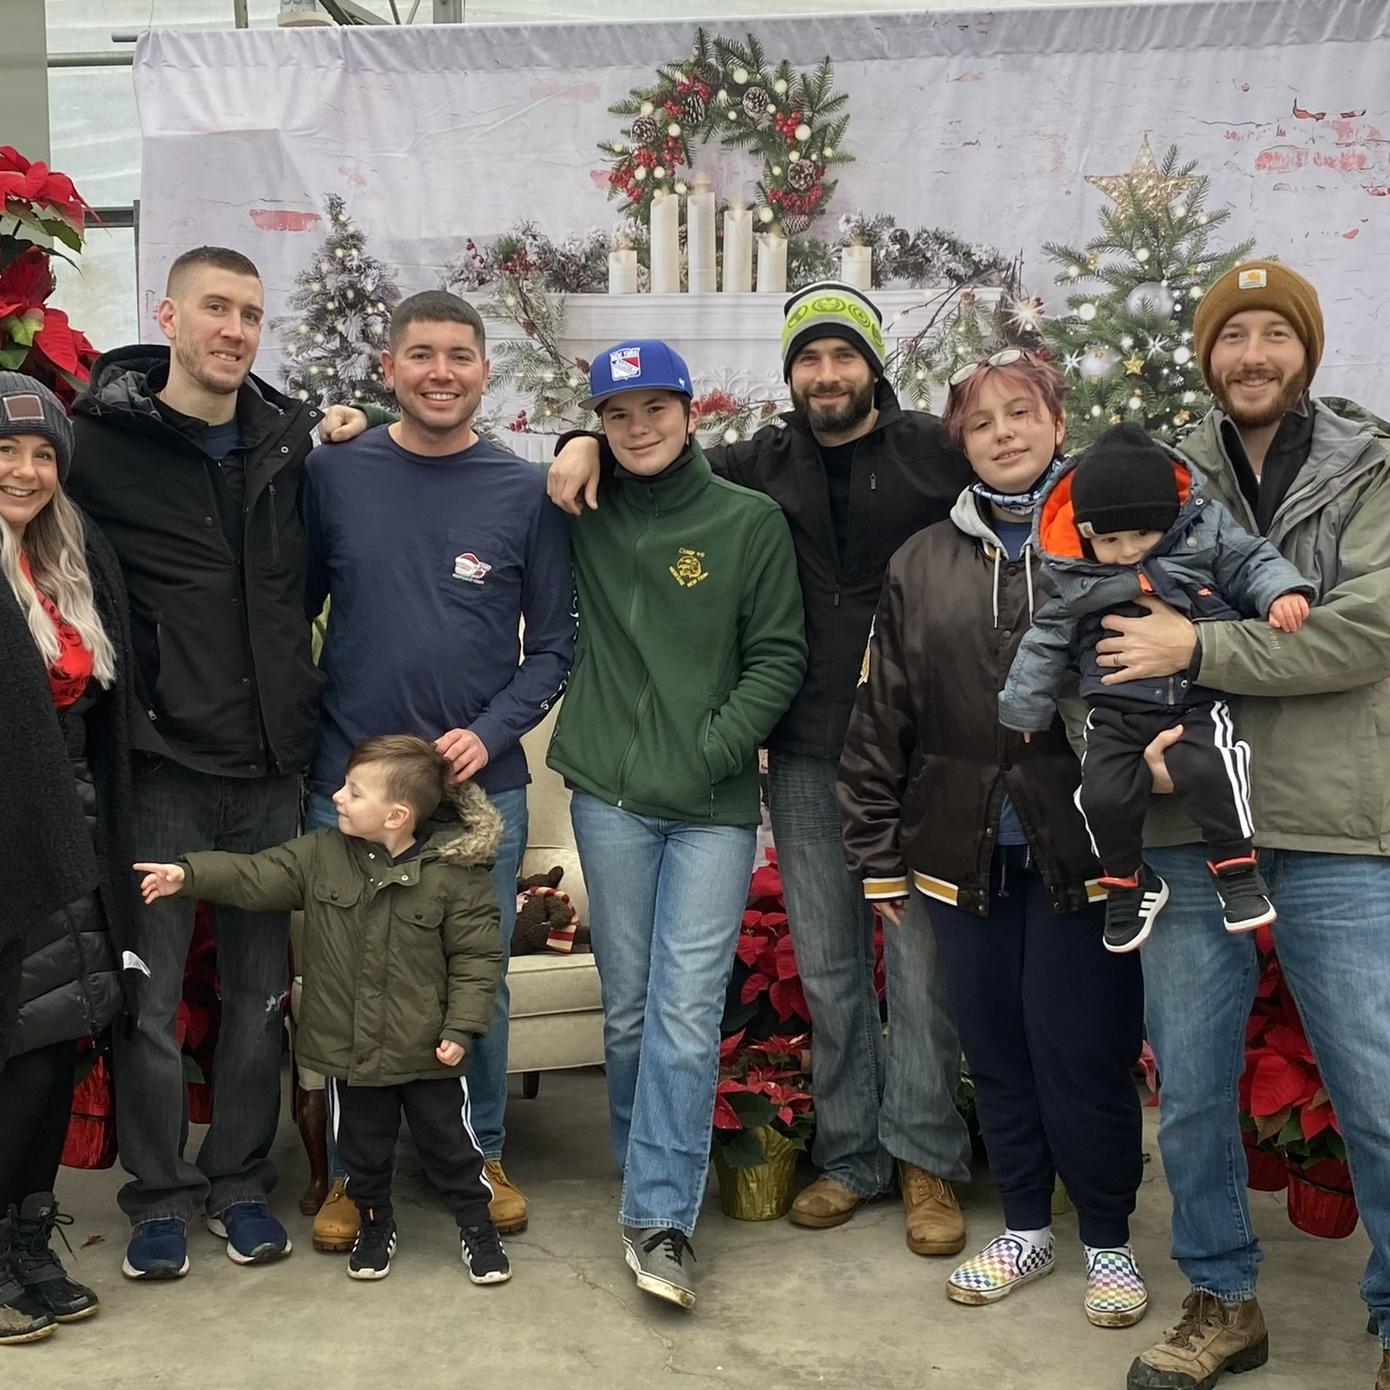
12 358
62 231
742 1150
191 1070
752 1109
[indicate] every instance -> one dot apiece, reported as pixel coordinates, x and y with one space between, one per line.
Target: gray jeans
877 1098
177 811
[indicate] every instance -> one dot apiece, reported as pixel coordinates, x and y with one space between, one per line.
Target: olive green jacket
395 958
1314 705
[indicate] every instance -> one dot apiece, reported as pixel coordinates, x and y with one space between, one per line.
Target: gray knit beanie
27 406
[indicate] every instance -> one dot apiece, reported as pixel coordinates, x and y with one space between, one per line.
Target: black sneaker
36 1266
1131 906
656 1255
1245 900
373 1248
22 1317
482 1252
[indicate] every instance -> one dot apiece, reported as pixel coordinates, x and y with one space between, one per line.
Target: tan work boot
508 1204
934 1223
335 1226
827 1202
1383 1379
1211 1336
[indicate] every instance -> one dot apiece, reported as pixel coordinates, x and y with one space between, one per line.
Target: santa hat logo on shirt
467 566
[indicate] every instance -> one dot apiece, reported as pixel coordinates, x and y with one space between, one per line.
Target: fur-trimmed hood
466 829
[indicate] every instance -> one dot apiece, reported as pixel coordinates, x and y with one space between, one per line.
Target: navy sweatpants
1051 1024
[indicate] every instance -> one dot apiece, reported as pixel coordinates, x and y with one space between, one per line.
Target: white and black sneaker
1245 902
373 1248
484 1255
1131 905
657 1255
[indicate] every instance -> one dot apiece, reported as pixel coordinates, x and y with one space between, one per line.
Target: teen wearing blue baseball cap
690 649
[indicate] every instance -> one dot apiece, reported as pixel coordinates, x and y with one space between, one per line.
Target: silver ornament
1150 300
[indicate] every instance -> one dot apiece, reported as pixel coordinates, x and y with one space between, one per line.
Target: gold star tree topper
1145 184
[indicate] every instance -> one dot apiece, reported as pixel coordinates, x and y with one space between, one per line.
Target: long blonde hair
55 545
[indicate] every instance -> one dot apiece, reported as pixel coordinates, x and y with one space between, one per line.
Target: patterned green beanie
829 309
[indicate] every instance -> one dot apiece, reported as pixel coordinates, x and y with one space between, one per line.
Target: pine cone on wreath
794 223
801 176
646 130
695 110
755 102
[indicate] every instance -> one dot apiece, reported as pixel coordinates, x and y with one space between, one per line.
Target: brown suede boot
1212 1336
934 1223
827 1202
1383 1379
508 1204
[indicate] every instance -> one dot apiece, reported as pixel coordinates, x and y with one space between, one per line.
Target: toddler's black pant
1209 765
367 1121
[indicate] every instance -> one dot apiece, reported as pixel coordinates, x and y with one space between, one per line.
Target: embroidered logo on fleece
625 364
470 569
688 571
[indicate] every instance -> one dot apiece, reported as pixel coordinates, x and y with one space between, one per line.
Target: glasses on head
1006 358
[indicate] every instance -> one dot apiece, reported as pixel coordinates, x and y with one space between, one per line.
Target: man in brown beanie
1313 475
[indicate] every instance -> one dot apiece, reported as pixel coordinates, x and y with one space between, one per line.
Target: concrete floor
780 1308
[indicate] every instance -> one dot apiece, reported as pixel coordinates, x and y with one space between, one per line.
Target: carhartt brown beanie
1259 285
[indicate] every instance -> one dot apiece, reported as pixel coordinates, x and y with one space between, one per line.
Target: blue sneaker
253 1235
157 1250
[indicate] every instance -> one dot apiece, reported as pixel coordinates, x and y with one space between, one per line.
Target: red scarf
68 676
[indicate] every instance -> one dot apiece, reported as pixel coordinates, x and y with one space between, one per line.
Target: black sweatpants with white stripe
1209 766
367 1122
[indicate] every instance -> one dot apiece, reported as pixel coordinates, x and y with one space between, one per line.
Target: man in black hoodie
191 467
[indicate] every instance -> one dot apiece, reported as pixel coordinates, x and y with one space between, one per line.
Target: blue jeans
176 811
1333 938
666 901
876 1099
487 1058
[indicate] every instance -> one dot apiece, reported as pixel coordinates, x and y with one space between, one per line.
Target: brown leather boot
1212 1336
934 1223
827 1202
508 1204
337 1222
1383 1379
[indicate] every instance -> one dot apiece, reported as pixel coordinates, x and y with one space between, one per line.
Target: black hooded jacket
224 672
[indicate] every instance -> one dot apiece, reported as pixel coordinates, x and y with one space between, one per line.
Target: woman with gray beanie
66 893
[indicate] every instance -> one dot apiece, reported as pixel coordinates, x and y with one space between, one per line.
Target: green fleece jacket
691 646
396 958
1314 705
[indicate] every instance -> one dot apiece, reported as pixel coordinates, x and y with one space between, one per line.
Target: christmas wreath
727 91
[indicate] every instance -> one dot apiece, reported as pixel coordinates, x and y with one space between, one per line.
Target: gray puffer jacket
1206 566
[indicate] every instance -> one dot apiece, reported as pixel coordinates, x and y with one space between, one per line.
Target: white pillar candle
738 250
699 237
772 264
622 271
666 249
857 266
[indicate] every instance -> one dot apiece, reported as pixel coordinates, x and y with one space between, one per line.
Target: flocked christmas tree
340 318
1126 343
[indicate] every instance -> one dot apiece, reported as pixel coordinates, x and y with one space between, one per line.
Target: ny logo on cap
1253 279
22 406
625 364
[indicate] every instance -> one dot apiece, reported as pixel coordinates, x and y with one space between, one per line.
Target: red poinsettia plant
761 1083
35 337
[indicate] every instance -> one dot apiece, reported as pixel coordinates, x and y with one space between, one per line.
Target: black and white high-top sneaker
1245 902
374 1246
1131 905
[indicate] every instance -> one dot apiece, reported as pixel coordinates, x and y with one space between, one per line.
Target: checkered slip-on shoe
998 1270
1115 1292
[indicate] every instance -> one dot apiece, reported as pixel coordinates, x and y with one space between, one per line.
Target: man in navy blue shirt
434 545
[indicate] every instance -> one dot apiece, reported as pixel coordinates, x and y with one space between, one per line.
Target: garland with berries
726 91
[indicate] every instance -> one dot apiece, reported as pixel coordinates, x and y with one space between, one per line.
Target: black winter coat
68 791
224 671
927 764
905 476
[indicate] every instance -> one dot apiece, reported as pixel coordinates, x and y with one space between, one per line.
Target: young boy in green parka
401 956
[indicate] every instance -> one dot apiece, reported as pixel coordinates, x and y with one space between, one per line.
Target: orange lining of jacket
1057 530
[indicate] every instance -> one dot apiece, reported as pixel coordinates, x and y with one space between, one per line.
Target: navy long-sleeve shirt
432 565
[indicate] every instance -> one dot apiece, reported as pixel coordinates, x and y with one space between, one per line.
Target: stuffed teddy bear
545 920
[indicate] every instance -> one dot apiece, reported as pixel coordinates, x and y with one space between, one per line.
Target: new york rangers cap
639 364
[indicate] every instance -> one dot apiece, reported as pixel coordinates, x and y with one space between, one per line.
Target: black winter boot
37 1267
22 1317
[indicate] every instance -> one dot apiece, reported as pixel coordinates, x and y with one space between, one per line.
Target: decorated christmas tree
1126 342
340 318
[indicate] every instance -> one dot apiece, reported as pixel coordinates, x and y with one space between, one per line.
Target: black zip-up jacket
224 672
927 764
905 476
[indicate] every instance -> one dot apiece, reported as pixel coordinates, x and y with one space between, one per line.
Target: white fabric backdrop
983 123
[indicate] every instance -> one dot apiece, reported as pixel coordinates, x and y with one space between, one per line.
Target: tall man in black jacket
856 475
191 467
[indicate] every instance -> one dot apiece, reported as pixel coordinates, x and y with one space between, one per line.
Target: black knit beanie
1124 482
